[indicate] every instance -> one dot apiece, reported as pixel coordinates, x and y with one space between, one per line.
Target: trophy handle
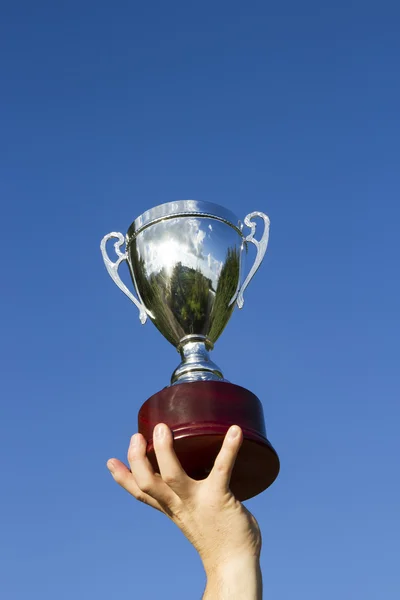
261 249
112 268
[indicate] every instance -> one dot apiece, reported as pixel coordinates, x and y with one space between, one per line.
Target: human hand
222 530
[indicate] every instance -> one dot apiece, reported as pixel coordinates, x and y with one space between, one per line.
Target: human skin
223 531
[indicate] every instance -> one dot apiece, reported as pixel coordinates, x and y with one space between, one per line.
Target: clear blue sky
290 108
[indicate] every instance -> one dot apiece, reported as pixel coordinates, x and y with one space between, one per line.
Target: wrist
237 578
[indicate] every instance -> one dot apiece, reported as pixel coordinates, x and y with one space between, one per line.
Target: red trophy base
199 414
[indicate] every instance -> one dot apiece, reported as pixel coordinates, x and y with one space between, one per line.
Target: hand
223 531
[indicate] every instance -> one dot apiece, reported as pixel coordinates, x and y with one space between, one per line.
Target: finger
125 479
223 466
144 475
170 468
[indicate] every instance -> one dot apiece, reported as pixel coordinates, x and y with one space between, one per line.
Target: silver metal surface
196 364
185 259
261 249
182 208
112 268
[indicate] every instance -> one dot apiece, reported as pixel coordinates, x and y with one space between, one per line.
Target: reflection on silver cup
186 262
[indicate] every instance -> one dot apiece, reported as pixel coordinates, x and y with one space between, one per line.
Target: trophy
186 260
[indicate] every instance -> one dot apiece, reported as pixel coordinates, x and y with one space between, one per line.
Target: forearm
238 580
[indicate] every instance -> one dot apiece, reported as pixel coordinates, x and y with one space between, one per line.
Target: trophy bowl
186 260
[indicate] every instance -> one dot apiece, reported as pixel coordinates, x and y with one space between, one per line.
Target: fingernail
111 466
134 440
234 432
159 431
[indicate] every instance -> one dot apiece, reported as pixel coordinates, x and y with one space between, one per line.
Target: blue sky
289 108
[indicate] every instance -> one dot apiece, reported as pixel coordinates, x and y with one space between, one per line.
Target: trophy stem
196 364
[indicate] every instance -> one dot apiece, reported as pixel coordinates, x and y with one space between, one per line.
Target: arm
237 580
223 531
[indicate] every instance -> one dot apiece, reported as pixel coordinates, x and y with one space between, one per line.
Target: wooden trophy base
199 415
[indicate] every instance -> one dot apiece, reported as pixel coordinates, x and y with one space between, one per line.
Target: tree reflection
227 286
184 301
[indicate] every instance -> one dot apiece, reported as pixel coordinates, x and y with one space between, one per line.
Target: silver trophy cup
186 260
187 264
